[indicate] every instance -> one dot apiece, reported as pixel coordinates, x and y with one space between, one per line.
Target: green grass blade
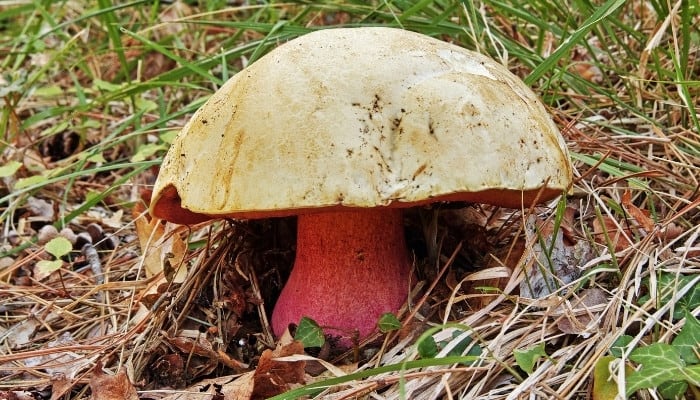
577 36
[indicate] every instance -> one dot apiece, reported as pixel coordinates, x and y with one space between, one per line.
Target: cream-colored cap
362 117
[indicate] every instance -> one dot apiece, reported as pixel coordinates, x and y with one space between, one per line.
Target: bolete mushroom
344 128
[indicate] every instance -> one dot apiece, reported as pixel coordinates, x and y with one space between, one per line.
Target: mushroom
344 128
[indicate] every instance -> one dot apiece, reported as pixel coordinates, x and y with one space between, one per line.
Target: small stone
69 234
6 262
46 233
82 239
96 232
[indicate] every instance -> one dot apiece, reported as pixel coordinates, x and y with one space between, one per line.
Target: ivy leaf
620 345
427 347
58 246
526 359
688 340
458 350
660 362
388 322
462 346
669 283
673 390
309 333
692 374
690 300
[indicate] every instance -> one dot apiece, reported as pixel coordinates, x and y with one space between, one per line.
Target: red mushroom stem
350 268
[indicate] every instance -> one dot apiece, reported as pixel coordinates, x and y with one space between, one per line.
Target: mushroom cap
362 117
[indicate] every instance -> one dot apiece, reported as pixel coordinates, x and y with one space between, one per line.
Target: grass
93 94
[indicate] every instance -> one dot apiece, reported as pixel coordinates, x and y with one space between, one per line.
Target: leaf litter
139 308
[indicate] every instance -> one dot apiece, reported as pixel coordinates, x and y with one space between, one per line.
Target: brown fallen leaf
199 346
554 259
584 65
16 395
231 387
581 311
60 385
274 377
111 387
641 216
239 389
230 361
163 249
202 358
608 229
169 370
61 359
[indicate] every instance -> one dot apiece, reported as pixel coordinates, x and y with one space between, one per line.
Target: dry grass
89 109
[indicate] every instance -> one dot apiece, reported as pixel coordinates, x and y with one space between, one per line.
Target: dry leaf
171 16
236 387
241 388
207 358
511 29
16 395
610 229
335 371
170 370
111 387
549 272
22 333
273 377
60 385
230 362
641 216
200 347
667 233
162 248
60 363
579 315
584 67
40 210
